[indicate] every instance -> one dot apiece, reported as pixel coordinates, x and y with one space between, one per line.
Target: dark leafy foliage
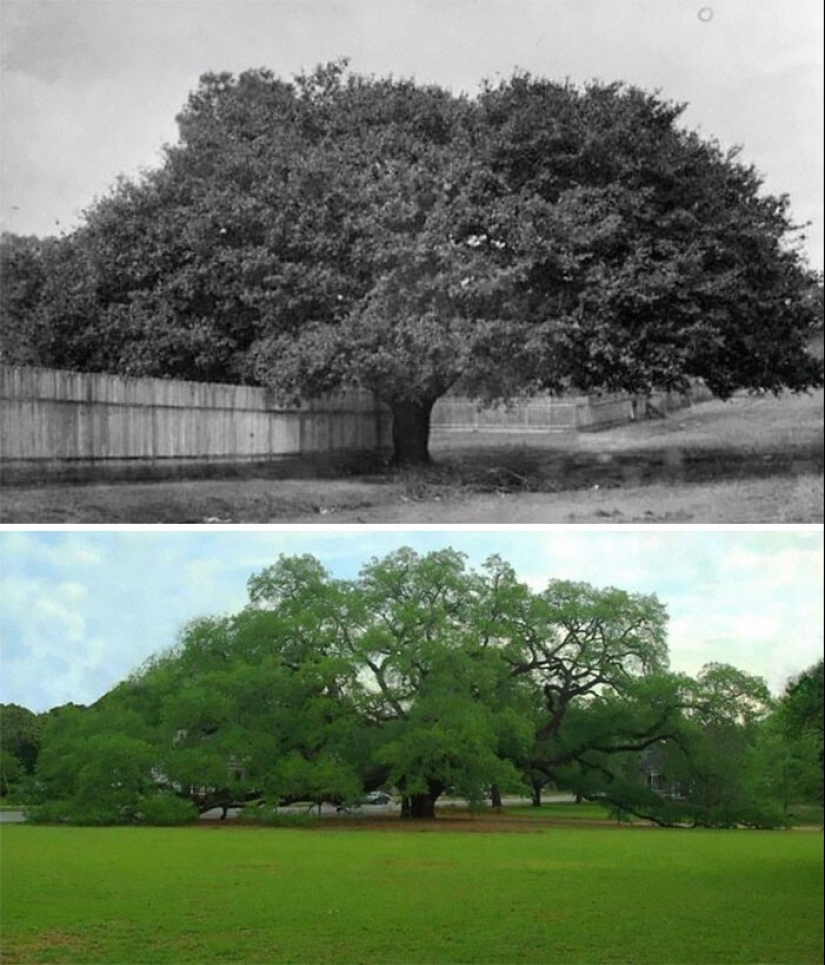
338 230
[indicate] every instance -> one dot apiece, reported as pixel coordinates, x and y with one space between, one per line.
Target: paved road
11 817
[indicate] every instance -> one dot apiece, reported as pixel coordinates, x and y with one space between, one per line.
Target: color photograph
406 746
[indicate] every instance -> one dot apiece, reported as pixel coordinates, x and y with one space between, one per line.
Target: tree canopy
338 229
426 677
802 725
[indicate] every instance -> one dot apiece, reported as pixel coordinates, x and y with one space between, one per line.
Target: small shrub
166 809
50 812
806 814
759 814
70 812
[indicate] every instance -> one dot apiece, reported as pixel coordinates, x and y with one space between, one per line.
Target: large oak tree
339 229
418 674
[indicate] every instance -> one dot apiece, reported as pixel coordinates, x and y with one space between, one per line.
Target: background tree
21 735
802 702
800 722
790 765
21 270
341 230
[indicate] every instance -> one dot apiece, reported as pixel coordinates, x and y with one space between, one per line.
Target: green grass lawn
550 894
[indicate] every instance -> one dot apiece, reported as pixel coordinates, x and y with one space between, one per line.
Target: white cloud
72 551
44 637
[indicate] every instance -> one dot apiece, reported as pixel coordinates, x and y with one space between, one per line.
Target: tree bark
422 804
537 786
495 796
411 432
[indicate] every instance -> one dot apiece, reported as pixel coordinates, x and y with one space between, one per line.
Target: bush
52 812
163 808
750 814
806 814
70 812
166 809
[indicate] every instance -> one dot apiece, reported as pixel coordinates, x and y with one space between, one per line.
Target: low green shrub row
163 809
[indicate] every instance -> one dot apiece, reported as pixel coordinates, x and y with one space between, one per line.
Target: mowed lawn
548 894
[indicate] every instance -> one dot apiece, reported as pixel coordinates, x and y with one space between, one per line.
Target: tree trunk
537 786
419 806
422 805
411 433
495 796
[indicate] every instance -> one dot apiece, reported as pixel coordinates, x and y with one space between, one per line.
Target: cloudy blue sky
90 88
80 609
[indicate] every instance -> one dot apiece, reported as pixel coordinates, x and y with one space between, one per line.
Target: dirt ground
754 459
460 821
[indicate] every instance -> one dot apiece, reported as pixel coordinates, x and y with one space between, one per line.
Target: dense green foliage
339 230
555 895
20 736
801 735
427 677
803 702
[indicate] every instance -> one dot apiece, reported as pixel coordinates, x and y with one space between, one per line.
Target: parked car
377 797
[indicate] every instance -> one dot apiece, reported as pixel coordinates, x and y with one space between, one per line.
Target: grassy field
586 811
549 894
755 459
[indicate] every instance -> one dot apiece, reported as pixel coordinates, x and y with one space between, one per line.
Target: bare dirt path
750 460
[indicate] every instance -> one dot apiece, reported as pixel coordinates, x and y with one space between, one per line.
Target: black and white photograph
536 261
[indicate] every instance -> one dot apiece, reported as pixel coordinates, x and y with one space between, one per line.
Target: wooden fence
57 424
54 420
557 414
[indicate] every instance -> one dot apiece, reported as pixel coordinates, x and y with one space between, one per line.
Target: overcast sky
90 88
80 609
